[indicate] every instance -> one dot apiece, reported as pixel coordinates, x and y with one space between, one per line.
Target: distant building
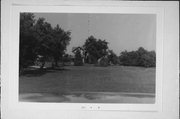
79 58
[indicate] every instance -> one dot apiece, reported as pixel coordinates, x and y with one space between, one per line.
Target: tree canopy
28 40
94 49
38 37
113 58
140 57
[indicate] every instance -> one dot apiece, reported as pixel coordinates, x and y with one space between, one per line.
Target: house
103 61
79 58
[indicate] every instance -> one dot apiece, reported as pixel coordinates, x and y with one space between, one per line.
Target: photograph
87 57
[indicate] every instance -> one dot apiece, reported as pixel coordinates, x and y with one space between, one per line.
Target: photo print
87 58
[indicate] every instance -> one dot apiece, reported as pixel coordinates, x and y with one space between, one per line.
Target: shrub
140 57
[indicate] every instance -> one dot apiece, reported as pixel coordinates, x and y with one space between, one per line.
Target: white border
11 60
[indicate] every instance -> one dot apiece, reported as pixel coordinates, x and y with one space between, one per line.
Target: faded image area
87 58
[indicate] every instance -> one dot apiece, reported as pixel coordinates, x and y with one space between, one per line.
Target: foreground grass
89 79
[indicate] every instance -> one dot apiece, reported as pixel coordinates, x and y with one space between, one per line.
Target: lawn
89 79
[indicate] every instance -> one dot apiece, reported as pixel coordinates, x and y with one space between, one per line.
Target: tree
28 40
140 57
52 41
148 59
112 57
39 40
44 34
95 49
60 41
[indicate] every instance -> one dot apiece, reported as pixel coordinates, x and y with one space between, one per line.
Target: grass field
89 79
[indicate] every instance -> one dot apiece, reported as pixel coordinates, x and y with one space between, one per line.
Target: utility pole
89 17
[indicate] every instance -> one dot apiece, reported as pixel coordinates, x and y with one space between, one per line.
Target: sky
122 31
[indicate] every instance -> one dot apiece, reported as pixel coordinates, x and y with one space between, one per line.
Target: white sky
122 31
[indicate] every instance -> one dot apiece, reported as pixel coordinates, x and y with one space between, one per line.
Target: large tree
95 49
44 34
61 39
28 40
39 40
52 41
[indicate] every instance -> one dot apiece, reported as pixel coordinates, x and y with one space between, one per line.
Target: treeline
96 51
140 57
40 42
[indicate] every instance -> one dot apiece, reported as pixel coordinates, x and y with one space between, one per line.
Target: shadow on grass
43 97
139 96
91 96
80 95
33 72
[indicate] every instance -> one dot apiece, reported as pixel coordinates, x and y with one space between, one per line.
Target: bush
113 58
141 57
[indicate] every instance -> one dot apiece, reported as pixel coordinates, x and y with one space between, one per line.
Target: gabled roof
77 48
